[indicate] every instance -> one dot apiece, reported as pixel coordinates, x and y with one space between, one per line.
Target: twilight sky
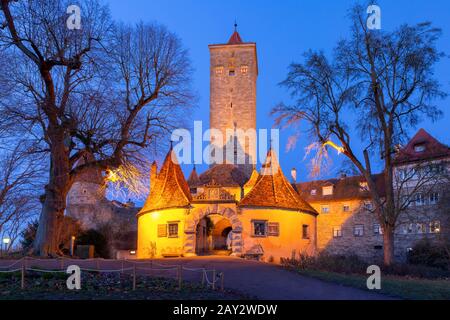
283 30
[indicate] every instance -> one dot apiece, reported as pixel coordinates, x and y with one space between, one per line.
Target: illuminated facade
230 207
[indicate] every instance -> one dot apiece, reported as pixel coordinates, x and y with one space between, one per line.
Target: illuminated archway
197 214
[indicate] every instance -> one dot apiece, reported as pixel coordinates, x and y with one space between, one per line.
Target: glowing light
6 240
336 147
155 215
127 182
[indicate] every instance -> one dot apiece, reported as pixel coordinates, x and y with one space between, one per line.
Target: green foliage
28 235
425 253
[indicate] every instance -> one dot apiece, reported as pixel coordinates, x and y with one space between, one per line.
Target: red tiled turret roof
170 190
430 149
273 190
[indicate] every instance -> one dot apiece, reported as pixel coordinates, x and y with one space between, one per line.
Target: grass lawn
402 287
103 286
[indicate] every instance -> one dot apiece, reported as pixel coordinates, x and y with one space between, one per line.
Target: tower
233 75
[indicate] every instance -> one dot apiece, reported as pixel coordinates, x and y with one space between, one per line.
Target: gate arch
197 214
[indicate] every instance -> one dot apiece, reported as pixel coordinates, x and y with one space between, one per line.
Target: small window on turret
244 69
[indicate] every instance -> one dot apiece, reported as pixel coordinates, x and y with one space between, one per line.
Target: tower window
219 70
232 73
244 69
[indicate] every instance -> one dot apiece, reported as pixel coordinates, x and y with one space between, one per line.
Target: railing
150 269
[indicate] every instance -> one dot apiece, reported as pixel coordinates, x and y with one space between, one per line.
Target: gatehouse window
232 73
173 229
244 69
325 209
273 229
377 229
327 191
305 231
259 228
434 197
346 208
162 230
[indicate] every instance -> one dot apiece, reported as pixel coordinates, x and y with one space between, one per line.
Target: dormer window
313 192
419 148
327 191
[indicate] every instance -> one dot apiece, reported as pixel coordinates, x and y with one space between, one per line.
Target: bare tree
380 83
19 195
105 91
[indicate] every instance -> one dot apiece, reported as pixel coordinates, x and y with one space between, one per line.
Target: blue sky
283 30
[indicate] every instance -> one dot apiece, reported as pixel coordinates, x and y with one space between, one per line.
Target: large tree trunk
54 205
388 244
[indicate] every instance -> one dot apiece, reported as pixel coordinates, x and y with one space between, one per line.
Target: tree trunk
54 205
388 245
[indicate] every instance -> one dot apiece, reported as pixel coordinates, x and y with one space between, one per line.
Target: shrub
97 239
425 253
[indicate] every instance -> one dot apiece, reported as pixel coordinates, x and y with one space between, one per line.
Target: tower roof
235 38
273 190
225 175
170 189
430 148
193 180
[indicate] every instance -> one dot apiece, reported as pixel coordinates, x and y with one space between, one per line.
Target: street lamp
6 242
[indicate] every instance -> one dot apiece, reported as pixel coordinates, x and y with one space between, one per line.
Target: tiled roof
170 189
225 175
273 190
193 180
433 149
253 179
235 38
343 189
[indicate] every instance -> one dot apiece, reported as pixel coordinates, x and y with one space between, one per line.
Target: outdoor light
132 252
6 241
294 175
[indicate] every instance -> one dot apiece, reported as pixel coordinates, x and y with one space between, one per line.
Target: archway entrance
224 226
213 235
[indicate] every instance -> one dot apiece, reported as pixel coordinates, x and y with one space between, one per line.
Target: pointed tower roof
273 190
170 189
422 146
235 37
193 180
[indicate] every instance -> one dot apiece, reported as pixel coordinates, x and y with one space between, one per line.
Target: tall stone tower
233 74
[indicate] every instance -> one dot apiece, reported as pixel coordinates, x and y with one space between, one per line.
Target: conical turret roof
273 190
170 189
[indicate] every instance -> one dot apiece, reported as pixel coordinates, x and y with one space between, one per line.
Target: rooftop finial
235 25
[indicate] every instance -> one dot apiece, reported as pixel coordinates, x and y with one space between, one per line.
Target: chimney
294 175
153 174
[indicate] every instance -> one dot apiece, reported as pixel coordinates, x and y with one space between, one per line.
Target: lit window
305 231
273 229
346 208
434 197
420 199
326 209
358 230
327 191
313 192
173 229
244 69
419 148
162 230
363 186
219 70
435 227
232 73
410 228
337 232
377 229
259 228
